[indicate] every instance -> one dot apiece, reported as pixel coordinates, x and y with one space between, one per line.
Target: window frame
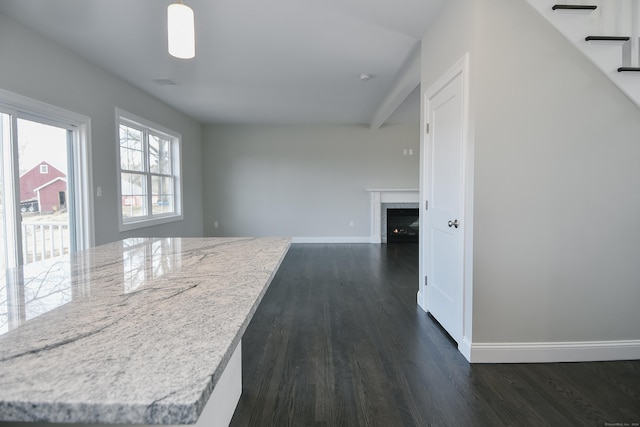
149 128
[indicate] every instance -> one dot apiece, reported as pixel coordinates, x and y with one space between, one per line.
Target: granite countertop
136 331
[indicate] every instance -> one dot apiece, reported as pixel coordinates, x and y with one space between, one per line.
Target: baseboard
420 298
546 352
465 348
344 239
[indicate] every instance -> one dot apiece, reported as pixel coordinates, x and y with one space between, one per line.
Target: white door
443 188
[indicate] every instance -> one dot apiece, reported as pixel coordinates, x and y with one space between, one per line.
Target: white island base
223 400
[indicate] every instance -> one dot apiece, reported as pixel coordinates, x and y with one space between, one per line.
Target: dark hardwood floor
339 341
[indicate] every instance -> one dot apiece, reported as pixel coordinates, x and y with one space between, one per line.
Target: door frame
461 67
80 164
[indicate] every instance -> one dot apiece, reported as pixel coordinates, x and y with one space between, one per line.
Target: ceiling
260 61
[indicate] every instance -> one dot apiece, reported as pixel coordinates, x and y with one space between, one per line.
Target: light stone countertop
136 331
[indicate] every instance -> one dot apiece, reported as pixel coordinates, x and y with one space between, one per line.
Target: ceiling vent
166 82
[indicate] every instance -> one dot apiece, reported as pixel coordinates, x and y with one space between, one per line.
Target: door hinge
426 282
427 127
426 205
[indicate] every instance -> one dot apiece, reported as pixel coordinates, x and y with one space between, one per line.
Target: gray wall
33 66
557 236
302 181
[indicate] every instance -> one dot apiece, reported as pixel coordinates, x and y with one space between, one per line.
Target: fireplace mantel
380 196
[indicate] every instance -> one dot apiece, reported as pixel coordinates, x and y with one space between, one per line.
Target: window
149 159
44 169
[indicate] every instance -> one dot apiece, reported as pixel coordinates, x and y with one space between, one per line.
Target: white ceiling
257 61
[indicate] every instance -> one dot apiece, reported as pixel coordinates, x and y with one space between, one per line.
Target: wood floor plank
339 340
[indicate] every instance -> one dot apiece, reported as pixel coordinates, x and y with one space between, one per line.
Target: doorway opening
45 181
446 242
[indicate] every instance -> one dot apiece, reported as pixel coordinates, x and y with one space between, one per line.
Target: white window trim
23 106
125 117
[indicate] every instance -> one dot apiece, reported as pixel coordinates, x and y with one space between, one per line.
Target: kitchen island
142 331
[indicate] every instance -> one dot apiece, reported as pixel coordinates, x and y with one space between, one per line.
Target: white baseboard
344 239
545 352
420 298
465 348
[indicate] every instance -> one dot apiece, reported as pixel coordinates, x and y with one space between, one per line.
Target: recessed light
365 77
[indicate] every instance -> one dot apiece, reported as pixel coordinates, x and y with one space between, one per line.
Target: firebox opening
402 225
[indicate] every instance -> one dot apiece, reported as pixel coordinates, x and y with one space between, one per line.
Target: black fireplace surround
402 225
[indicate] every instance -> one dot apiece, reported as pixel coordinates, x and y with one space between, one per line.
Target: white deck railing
42 240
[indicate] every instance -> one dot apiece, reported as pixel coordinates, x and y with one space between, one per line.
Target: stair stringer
607 57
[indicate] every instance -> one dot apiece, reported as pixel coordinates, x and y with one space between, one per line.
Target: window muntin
149 173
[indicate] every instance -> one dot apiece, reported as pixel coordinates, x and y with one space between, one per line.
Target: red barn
46 185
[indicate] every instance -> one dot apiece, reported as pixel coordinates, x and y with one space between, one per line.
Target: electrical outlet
411 151
215 224
404 151
351 223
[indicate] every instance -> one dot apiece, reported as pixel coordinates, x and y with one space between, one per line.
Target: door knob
453 223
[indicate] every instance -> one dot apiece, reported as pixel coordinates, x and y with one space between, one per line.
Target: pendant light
181 31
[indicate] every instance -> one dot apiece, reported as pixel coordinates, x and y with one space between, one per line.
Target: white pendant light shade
181 30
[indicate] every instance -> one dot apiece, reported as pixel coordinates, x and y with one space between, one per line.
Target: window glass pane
130 137
132 160
4 309
165 157
159 155
163 196
5 138
131 149
134 195
42 161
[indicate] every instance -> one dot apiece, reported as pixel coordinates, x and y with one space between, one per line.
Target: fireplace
382 201
402 225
